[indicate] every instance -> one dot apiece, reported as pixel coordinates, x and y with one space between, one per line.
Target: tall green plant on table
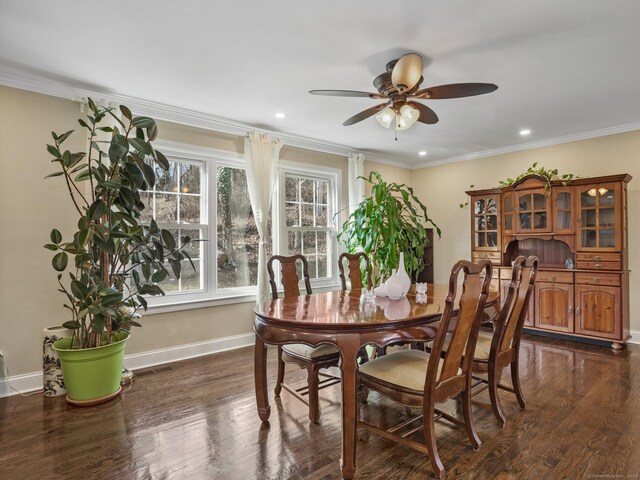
390 221
113 259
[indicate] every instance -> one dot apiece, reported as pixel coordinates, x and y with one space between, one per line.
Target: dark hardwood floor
197 419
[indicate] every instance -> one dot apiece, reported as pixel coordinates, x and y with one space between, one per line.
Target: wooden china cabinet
584 221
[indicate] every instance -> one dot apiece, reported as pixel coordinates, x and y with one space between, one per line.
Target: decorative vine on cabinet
578 230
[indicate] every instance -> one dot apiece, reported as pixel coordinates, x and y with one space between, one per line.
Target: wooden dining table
348 320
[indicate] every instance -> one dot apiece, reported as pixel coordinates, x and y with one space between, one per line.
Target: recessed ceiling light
525 131
422 153
280 115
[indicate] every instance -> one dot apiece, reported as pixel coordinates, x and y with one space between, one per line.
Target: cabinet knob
597 259
578 310
596 280
597 266
570 309
553 279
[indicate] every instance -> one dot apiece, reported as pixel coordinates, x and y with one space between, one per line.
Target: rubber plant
113 259
391 220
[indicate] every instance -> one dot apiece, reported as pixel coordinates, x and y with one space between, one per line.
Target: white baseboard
635 337
30 382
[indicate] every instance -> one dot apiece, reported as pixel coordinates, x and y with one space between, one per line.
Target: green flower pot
92 375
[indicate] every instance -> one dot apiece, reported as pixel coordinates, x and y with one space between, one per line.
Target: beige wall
442 189
31 207
389 173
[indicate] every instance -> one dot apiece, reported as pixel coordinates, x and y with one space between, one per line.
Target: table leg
260 375
349 345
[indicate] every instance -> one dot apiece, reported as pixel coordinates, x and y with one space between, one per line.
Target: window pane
189 209
321 216
169 284
146 214
292 191
322 266
194 248
294 243
306 190
292 213
479 206
607 217
322 242
321 192
166 181
307 215
190 278
309 243
563 200
166 207
237 246
189 178
607 238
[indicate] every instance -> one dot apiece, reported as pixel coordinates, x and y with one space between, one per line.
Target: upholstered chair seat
306 351
483 347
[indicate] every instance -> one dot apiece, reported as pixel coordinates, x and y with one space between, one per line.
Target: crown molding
574 137
159 111
193 118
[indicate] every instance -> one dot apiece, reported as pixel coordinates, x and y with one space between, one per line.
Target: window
177 204
307 205
237 242
204 195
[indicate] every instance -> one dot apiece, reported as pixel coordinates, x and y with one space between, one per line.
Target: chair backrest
508 327
475 288
289 275
354 262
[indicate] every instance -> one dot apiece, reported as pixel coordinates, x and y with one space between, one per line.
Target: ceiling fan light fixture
407 116
406 72
386 117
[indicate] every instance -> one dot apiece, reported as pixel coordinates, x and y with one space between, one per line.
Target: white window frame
209 296
334 176
211 159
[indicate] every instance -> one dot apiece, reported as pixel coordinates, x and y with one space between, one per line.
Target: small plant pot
92 375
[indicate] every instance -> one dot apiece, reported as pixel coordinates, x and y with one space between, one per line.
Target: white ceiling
563 68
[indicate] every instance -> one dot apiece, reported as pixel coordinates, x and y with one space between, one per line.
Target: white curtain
356 186
261 153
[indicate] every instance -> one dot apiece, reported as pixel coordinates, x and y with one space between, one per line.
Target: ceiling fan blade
345 93
455 90
427 115
358 117
407 72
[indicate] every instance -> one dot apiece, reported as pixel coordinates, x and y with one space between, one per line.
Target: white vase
52 381
394 286
403 275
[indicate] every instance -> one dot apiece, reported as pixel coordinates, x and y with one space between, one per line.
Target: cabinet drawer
598 279
554 277
599 257
599 265
494 257
505 273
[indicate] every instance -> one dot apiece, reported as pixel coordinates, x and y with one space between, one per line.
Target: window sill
217 302
194 304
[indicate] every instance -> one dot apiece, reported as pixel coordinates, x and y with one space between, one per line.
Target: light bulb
407 116
602 190
386 117
592 192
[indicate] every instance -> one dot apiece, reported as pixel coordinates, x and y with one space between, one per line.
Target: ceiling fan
399 85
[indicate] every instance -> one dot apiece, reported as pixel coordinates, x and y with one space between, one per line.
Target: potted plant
113 259
390 221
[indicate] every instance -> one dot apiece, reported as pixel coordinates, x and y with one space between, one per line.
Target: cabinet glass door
533 211
485 222
598 218
563 209
508 209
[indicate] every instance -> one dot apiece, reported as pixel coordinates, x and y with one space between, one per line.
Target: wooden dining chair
354 263
418 379
310 358
501 348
